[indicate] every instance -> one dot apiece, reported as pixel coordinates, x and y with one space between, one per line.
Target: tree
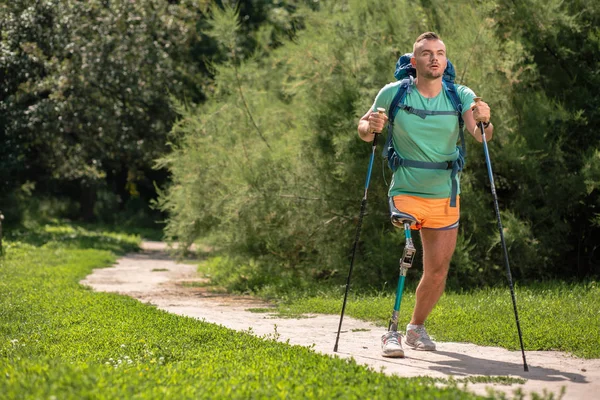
86 94
271 169
558 112
87 88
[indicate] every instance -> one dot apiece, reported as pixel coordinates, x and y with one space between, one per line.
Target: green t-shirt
432 139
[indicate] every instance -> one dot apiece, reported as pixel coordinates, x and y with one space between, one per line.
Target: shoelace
423 333
392 339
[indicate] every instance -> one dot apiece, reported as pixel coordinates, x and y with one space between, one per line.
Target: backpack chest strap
424 113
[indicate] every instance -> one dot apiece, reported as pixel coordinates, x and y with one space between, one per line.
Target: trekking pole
363 207
506 263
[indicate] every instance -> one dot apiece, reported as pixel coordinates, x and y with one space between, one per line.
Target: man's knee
436 276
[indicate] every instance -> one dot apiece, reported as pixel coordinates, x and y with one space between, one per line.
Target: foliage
264 158
272 171
558 110
85 94
77 99
60 339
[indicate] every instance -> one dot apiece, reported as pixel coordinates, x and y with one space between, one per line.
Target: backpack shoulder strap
404 87
450 89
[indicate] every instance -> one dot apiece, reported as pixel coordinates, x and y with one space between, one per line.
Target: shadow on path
468 365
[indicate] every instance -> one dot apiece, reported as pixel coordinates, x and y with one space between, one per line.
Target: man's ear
413 61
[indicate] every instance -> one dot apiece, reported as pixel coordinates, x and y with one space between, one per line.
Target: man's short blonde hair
425 36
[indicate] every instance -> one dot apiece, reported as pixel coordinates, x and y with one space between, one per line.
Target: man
425 194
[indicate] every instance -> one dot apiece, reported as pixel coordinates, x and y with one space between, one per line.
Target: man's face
429 59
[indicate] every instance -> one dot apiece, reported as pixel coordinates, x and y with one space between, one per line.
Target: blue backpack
406 73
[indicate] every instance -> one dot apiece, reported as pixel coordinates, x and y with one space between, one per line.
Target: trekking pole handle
380 111
477 99
481 125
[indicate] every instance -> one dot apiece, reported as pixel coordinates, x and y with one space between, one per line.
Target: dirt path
152 277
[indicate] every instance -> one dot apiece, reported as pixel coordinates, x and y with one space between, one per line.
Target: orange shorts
429 213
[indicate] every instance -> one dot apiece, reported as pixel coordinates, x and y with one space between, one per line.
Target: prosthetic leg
390 342
405 263
400 219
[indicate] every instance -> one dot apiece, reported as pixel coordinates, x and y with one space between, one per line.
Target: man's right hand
377 121
371 122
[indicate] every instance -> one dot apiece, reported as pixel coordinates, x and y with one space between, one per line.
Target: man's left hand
481 111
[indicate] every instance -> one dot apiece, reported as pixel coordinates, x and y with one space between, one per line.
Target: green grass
73 237
279 312
59 339
259 310
553 316
194 284
499 380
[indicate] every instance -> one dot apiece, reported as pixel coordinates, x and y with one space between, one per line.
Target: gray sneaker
418 339
391 345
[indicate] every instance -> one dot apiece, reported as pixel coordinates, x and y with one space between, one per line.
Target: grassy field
61 340
553 316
